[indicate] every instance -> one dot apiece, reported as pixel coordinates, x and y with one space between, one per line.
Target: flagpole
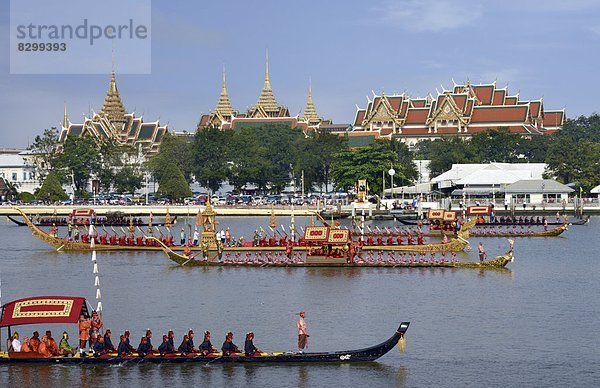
95 272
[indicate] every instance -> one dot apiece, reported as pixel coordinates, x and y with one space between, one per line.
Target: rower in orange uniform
84 331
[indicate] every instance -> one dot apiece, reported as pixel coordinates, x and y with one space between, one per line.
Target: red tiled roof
511 128
415 131
360 116
419 103
469 107
511 100
446 130
417 116
203 120
432 108
535 108
460 100
499 114
440 99
484 93
404 108
553 118
499 95
385 131
395 102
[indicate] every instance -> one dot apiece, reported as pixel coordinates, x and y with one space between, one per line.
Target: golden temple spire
310 113
113 108
266 100
224 105
65 122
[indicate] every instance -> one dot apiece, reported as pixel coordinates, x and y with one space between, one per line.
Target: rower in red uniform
390 240
410 239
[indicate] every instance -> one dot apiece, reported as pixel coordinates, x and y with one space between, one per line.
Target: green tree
445 152
364 163
574 152
12 190
172 183
405 168
534 149
280 142
119 168
51 189
44 150
322 150
127 179
495 146
80 159
172 149
210 155
249 160
26 196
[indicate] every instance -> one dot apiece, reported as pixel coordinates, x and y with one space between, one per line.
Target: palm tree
12 191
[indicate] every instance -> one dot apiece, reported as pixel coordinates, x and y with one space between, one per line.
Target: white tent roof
491 174
458 171
595 190
419 188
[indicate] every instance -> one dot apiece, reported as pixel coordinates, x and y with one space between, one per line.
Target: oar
215 359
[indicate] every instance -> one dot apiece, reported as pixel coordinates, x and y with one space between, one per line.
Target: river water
534 324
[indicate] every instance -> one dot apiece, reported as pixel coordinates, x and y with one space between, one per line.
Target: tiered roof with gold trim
464 109
113 123
113 108
310 113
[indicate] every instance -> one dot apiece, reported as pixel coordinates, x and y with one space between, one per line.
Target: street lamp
392 172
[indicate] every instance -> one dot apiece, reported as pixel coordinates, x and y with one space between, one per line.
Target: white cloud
429 15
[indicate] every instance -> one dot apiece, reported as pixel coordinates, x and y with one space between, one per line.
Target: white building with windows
15 168
544 191
487 179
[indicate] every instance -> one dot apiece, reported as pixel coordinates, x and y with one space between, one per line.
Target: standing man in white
302 332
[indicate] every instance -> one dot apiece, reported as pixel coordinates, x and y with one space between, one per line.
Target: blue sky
542 48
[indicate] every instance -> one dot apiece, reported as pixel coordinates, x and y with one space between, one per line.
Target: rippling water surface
534 324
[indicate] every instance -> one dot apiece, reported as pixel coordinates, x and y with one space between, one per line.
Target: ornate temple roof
113 108
464 109
267 100
224 105
310 113
115 124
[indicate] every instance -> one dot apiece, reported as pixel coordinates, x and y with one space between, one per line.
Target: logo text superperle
90 32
